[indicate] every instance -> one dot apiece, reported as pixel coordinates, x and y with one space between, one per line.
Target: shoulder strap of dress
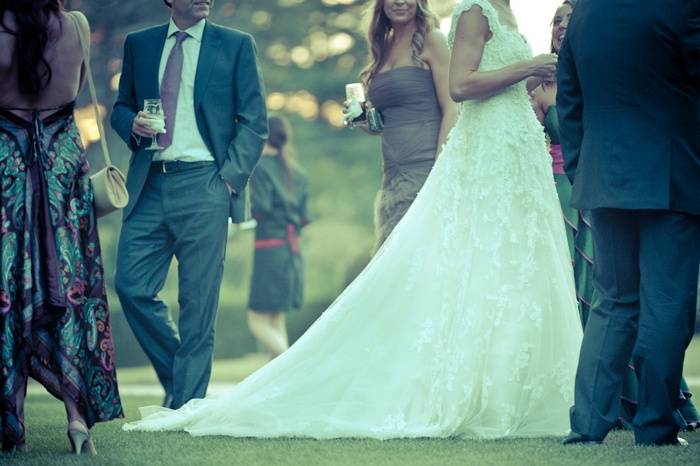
487 10
85 45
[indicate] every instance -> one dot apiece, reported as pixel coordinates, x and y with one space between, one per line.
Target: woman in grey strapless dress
407 81
406 98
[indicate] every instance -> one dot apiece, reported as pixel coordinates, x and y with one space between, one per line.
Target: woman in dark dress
407 81
279 191
578 226
54 318
578 230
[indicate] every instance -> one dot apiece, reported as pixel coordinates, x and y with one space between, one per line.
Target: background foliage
308 50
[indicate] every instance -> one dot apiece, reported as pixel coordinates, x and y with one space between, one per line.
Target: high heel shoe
80 439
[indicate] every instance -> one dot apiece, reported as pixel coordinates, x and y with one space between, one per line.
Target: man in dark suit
629 109
181 196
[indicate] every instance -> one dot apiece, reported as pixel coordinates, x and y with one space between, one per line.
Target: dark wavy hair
380 31
32 18
280 138
572 4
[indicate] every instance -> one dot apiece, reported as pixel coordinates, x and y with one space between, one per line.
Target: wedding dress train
464 324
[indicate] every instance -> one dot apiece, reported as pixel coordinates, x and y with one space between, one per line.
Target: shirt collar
195 31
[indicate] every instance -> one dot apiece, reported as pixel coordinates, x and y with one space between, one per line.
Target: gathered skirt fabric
54 318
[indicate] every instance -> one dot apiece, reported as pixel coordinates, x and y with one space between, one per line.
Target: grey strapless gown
408 103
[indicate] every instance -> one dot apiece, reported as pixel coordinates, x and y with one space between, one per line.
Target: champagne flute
154 109
355 91
357 103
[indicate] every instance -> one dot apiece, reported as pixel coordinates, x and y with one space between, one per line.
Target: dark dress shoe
574 438
679 442
168 401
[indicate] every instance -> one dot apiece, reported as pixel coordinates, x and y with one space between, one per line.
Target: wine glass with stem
154 109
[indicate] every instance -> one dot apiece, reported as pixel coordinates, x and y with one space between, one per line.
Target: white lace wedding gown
465 322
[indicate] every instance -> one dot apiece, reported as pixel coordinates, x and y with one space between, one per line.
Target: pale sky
534 19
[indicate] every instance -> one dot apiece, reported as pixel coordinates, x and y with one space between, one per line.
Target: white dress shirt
187 145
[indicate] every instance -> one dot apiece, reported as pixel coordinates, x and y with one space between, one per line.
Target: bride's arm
466 82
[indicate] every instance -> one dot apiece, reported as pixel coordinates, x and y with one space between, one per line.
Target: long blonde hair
380 31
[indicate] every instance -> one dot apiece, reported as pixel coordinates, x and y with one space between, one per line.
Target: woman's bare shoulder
435 49
435 38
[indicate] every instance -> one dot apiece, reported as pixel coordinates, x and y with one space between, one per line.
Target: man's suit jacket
229 105
629 104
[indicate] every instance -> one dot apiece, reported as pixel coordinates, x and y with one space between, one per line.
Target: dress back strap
85 44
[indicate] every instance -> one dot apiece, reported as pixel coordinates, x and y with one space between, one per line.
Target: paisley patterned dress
54 319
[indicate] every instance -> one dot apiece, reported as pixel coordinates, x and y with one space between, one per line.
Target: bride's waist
497 116
512 98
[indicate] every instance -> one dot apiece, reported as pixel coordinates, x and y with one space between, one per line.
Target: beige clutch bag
108 184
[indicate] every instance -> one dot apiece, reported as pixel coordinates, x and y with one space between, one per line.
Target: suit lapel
154 51
211 41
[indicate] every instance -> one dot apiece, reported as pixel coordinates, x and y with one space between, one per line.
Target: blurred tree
308 50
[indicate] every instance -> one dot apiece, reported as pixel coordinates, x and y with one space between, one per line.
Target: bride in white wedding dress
465 323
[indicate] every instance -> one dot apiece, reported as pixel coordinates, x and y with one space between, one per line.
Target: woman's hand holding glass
352 110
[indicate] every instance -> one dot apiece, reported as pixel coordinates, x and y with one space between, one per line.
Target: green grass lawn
227 370
49 446
692 359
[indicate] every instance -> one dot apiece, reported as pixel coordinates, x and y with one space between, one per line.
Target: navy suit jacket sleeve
691 39
570 109
126 107
251 119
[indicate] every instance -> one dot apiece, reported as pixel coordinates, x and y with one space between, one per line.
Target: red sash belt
292 240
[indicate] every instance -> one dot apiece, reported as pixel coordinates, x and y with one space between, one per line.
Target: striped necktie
170 88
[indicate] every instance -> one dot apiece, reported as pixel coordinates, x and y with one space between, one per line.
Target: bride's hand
544 66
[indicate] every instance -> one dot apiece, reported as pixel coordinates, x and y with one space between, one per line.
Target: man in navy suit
182 196
629 109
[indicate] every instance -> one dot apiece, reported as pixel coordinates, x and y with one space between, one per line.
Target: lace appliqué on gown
465 322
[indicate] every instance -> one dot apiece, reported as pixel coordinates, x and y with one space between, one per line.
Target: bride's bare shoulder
471 23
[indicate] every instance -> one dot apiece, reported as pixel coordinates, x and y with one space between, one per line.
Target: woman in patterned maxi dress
54 318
